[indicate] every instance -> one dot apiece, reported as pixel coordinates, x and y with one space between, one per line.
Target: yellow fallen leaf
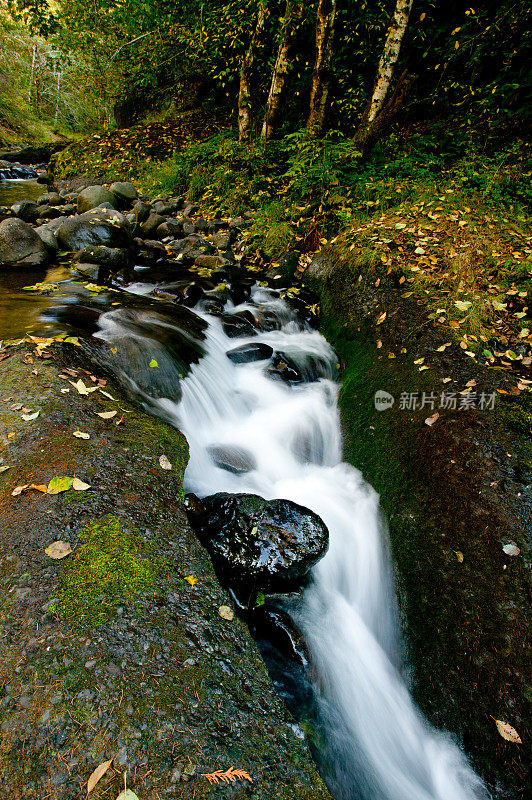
79 485
226 613
106 414
381 318
97 774
191 579
431 420
507 732
81 435
19 489
459 556
58 550
164 462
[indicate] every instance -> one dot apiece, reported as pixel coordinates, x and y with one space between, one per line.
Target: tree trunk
283 64
245 111
321 77
380 112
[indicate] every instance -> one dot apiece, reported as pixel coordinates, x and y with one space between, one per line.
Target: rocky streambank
126 650
119 645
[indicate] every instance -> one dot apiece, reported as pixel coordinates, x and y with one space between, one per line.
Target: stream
377 745
380 746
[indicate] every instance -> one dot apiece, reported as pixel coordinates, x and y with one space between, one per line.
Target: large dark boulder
96 227
112 258
20 246
256 544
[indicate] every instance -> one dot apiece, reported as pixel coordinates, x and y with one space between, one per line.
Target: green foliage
112 565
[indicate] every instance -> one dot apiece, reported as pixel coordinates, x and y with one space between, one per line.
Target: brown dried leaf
97 774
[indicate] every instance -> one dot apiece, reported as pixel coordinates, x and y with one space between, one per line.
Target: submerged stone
233 459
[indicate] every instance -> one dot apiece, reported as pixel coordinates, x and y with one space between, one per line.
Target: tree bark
321 76
245 108
283 64
380 111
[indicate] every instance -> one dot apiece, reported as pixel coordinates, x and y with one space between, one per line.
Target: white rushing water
383 747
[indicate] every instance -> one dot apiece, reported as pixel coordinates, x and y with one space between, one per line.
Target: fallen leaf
41 487
226 613
3 469
511 549
60 484
431 420
82 389
106 414
164 462
459 556
153 363
191 579
381 318
29 417
98 773
127 794
462 305
19 489
58 550
506 731
80 486
106 394
81 435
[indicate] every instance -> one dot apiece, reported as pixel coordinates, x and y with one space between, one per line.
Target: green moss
112 565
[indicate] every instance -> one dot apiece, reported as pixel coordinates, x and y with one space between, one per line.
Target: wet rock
48 236
50 212
172 227
124 194
276 625
96 227
284 369
240 291
254 351
112 258
27 210
150 225
240 324
141 210
20 246
190 210
233 459
284 271
258 544
94 196
209 262
50 199
90 271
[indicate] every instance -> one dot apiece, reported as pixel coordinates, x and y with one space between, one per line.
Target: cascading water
384 749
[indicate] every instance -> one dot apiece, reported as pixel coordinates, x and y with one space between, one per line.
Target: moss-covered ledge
454 493
118 650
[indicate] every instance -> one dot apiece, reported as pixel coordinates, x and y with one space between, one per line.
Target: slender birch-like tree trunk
381 110
245 106
321 76
283 64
